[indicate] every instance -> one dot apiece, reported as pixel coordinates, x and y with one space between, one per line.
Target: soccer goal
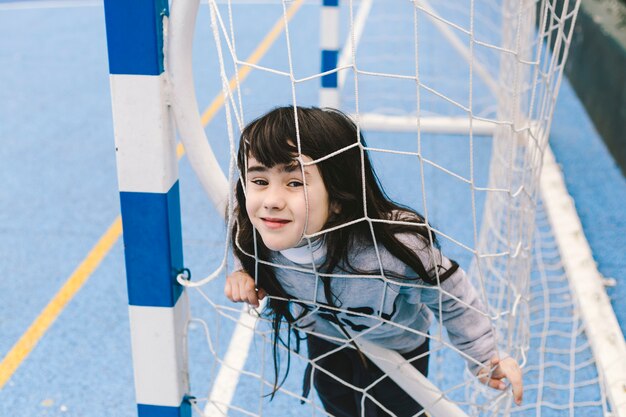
455 100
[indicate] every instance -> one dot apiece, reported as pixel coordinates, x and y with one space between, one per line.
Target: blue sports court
64 326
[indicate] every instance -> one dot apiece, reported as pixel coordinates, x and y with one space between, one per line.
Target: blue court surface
60 200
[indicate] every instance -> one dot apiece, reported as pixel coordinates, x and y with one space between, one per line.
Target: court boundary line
29 339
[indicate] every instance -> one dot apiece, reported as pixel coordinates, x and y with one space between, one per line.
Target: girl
337 257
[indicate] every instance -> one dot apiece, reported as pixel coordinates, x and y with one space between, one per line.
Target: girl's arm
456 305
456 302
240 287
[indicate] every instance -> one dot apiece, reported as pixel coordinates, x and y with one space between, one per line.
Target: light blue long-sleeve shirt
394 310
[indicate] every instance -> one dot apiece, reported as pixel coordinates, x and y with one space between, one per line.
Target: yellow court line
253 59
81 274
49 314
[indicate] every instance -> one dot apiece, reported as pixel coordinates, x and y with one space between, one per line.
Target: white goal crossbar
439 125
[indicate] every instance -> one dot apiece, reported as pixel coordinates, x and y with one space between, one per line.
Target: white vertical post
329 44
148 183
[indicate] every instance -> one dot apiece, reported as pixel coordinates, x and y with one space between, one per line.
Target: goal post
329 45
147 169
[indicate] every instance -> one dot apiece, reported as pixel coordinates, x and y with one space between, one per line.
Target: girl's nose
274 200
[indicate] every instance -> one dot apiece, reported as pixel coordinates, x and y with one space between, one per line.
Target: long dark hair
352 186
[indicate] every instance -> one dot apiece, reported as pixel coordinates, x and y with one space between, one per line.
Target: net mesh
478 63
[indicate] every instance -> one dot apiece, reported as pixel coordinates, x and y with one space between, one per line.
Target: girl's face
276 203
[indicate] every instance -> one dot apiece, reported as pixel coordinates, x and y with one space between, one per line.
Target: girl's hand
505 368
240 287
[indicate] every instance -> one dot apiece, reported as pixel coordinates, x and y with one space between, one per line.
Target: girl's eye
259 181
294 183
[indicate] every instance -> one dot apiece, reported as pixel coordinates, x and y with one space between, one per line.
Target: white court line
235 359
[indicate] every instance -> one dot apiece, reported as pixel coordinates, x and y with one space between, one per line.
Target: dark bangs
270 139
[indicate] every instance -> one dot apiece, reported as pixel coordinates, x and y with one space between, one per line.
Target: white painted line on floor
235 359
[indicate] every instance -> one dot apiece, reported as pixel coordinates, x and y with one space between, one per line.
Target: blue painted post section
150 204
329 45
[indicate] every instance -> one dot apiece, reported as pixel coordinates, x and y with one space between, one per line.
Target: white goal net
455 100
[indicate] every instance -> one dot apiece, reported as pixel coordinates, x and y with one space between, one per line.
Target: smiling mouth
273 223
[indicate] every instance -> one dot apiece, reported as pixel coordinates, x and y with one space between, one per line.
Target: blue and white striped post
148 182
329 44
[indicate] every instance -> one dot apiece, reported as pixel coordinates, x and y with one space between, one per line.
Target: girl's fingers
227 290
518 394
249 292
261 293
509 369
496 384
231 288
514 375
234 293
240 287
